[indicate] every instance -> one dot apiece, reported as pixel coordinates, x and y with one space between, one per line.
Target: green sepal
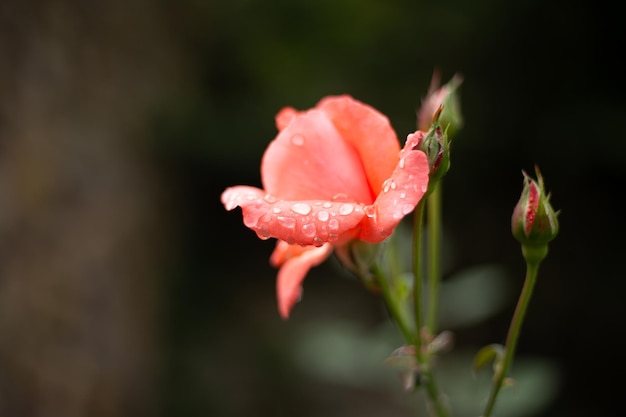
493 353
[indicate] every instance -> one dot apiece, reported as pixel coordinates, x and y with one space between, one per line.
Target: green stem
395 259
433 394
399 315
532 269
426 375
434 256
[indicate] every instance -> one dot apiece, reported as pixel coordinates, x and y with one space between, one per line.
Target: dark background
126 289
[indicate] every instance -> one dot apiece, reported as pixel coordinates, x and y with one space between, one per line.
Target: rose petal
369 131
310 160
295 262
284 117
250 199
400 194
308 222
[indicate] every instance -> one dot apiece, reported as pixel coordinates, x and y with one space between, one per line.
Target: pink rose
334 173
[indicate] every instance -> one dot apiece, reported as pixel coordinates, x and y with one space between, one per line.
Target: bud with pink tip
534 222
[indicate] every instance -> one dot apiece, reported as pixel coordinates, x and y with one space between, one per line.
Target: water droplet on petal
269 198
341 197
327 205
370 211
402 194
263 233
309 230
288 222
333 237
290 240
323 215
297 140
386 185
276 210
317 241
333 224
407 208
393 185
424 188
401 163
346 209
301 208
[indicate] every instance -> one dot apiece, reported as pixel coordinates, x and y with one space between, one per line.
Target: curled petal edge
284 117
400 193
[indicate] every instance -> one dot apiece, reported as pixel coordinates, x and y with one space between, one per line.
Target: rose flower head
333 174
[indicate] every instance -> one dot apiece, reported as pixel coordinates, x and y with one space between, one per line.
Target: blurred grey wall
79 206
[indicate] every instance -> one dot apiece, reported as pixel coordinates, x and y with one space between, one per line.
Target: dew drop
333 237
301 208
346 209
309 230
263 233
393 185
327 205
370 211
269 198
323 215
297 140
341 197
402 194
407 208
386 185
288 222
333 224
290 240
401 163
424 188
267 218
276 210
317 241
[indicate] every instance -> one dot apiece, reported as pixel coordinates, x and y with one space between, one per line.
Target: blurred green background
126 289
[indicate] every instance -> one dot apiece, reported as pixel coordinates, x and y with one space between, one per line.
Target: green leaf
489 354
474 294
